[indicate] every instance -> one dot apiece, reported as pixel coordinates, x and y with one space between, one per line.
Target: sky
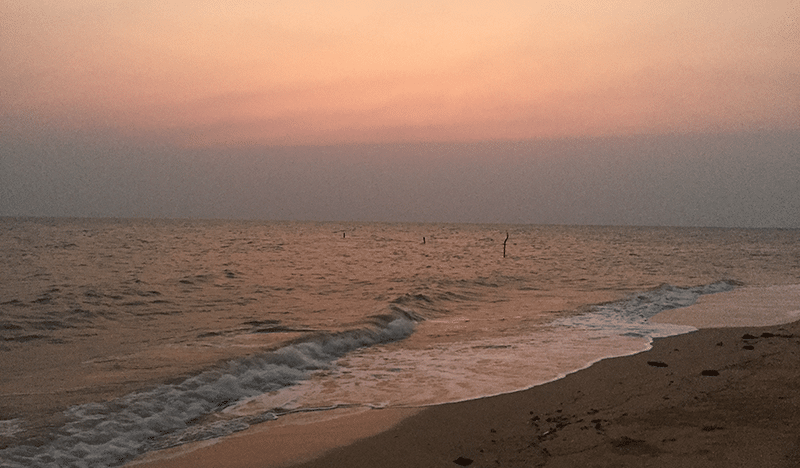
570 112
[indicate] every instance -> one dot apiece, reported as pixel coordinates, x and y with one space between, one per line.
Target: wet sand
292 439
748 306
722 397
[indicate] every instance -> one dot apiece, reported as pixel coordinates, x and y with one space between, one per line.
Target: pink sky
310 72
557 112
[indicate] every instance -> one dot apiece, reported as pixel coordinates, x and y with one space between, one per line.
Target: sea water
119 337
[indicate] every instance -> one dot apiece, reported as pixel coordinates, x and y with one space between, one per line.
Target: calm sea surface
119 337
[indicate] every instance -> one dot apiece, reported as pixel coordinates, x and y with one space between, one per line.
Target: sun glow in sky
310 72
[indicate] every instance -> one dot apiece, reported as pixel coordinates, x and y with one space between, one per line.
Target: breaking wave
113 432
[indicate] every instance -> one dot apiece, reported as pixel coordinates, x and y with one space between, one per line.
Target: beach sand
720 397
747 306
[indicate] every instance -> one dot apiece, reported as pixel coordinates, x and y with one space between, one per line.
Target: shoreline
289 440
713 397
698 399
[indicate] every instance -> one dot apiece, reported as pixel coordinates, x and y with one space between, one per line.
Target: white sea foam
110 433
467 368
631 316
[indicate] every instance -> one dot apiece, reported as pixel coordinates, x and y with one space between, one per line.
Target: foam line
631 316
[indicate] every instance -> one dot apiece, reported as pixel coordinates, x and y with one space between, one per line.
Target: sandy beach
722 397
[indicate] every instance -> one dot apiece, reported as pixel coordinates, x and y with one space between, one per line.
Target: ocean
121 337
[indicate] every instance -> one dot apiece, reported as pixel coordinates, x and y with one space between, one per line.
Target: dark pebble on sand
657 363
748 336
710 373
749 347
461 461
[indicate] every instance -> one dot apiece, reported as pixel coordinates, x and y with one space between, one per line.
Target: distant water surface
119 337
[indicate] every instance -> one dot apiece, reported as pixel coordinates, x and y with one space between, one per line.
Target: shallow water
123 336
